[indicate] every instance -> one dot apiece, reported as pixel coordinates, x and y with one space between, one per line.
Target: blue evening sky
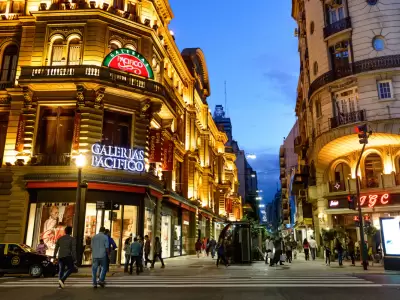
252 46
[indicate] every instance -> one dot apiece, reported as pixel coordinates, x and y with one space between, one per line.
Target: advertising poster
390 228
77 127
54 218
168 155
19 143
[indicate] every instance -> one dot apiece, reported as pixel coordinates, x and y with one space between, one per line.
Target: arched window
341 173
9 64
57 52
130 46
114 45
74 52
373 169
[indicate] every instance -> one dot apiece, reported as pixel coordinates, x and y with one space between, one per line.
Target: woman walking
306 247
197 246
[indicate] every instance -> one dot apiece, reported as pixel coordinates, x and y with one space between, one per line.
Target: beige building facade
349 75
107 82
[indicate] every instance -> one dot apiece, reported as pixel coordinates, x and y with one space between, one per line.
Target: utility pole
363 135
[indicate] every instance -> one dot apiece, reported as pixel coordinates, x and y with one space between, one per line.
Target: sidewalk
205 266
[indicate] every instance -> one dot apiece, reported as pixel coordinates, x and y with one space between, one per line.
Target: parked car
22 259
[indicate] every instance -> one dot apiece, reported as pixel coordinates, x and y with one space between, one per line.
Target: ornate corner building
105 80
349 61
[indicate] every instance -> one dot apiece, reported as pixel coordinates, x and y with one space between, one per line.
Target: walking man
147 248
100 251
269 246
66 248
351 248
313 247
127 249
136 252
157 253
212 245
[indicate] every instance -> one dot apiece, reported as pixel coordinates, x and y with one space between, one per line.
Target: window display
49 224
129 225
177 239
391 236
185 233
166 236
148 222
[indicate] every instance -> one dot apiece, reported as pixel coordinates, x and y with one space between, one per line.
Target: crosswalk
341 281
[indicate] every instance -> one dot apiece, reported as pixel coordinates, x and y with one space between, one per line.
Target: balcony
282 162
6 84
84 73
343 119
337 186
51 159
336 27
371 64
282 151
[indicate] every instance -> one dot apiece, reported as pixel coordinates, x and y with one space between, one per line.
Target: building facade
349 60
108 84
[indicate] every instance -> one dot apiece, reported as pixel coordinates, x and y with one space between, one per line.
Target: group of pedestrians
101 246
206 246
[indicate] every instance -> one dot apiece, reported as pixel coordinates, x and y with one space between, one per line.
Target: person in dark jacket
147 248
339 250
157 253
221 252
351 249
197 247
66 249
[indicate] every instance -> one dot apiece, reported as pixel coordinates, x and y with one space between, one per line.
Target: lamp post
80 162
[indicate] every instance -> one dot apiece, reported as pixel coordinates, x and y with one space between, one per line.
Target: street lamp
80 162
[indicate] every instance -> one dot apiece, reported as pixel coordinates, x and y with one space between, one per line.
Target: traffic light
351 201
362 131
356 221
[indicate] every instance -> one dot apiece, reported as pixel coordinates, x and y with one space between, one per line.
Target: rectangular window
385 89
57 55
117 129
3 7
18 7
54 134
74 54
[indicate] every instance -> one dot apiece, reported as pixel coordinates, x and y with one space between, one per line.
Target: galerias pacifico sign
130 61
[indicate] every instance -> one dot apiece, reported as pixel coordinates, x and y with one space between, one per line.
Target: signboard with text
368 201
155 146
168 155
76 133
19 143
129 61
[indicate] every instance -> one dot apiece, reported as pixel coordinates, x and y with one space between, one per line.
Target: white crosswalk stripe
198 281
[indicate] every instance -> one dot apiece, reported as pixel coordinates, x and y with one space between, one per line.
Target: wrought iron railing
371 64
63 159
343 119
336 27
83 72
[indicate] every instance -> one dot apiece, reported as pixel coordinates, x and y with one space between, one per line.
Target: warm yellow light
388 168
171 32
80 161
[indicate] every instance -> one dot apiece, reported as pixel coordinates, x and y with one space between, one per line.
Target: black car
22 259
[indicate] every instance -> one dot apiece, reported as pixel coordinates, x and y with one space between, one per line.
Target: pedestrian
157 253
204 246
208 247
289 252
41 247
328 253
141 242
212 245
100 251
136 253
313 247
127 249
221 252
339 250
269 246
306 247
198 246
66 249
113 247
351 249
147 248
277 254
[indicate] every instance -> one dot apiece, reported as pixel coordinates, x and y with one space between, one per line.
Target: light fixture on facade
253 175
258 198
251 156
172 34
261 205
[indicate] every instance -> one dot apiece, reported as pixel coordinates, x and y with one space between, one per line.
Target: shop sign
129 61
77 127
168 155
106 205
113 157
155 146
370 200
19 143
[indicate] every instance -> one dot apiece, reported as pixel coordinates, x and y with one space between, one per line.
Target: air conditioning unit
340 46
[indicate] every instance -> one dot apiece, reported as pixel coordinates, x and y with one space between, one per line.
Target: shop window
117 129
9 64
57 51
166 236
54 135
3 134
74 52
373 170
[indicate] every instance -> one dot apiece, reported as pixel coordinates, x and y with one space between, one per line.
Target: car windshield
27 248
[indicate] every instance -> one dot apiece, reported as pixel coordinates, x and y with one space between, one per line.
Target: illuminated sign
374 199
390 229
112 157
333 203
130 61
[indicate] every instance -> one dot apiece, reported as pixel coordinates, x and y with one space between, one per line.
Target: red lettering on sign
130 64
385 199
375 199
362 200
372 200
